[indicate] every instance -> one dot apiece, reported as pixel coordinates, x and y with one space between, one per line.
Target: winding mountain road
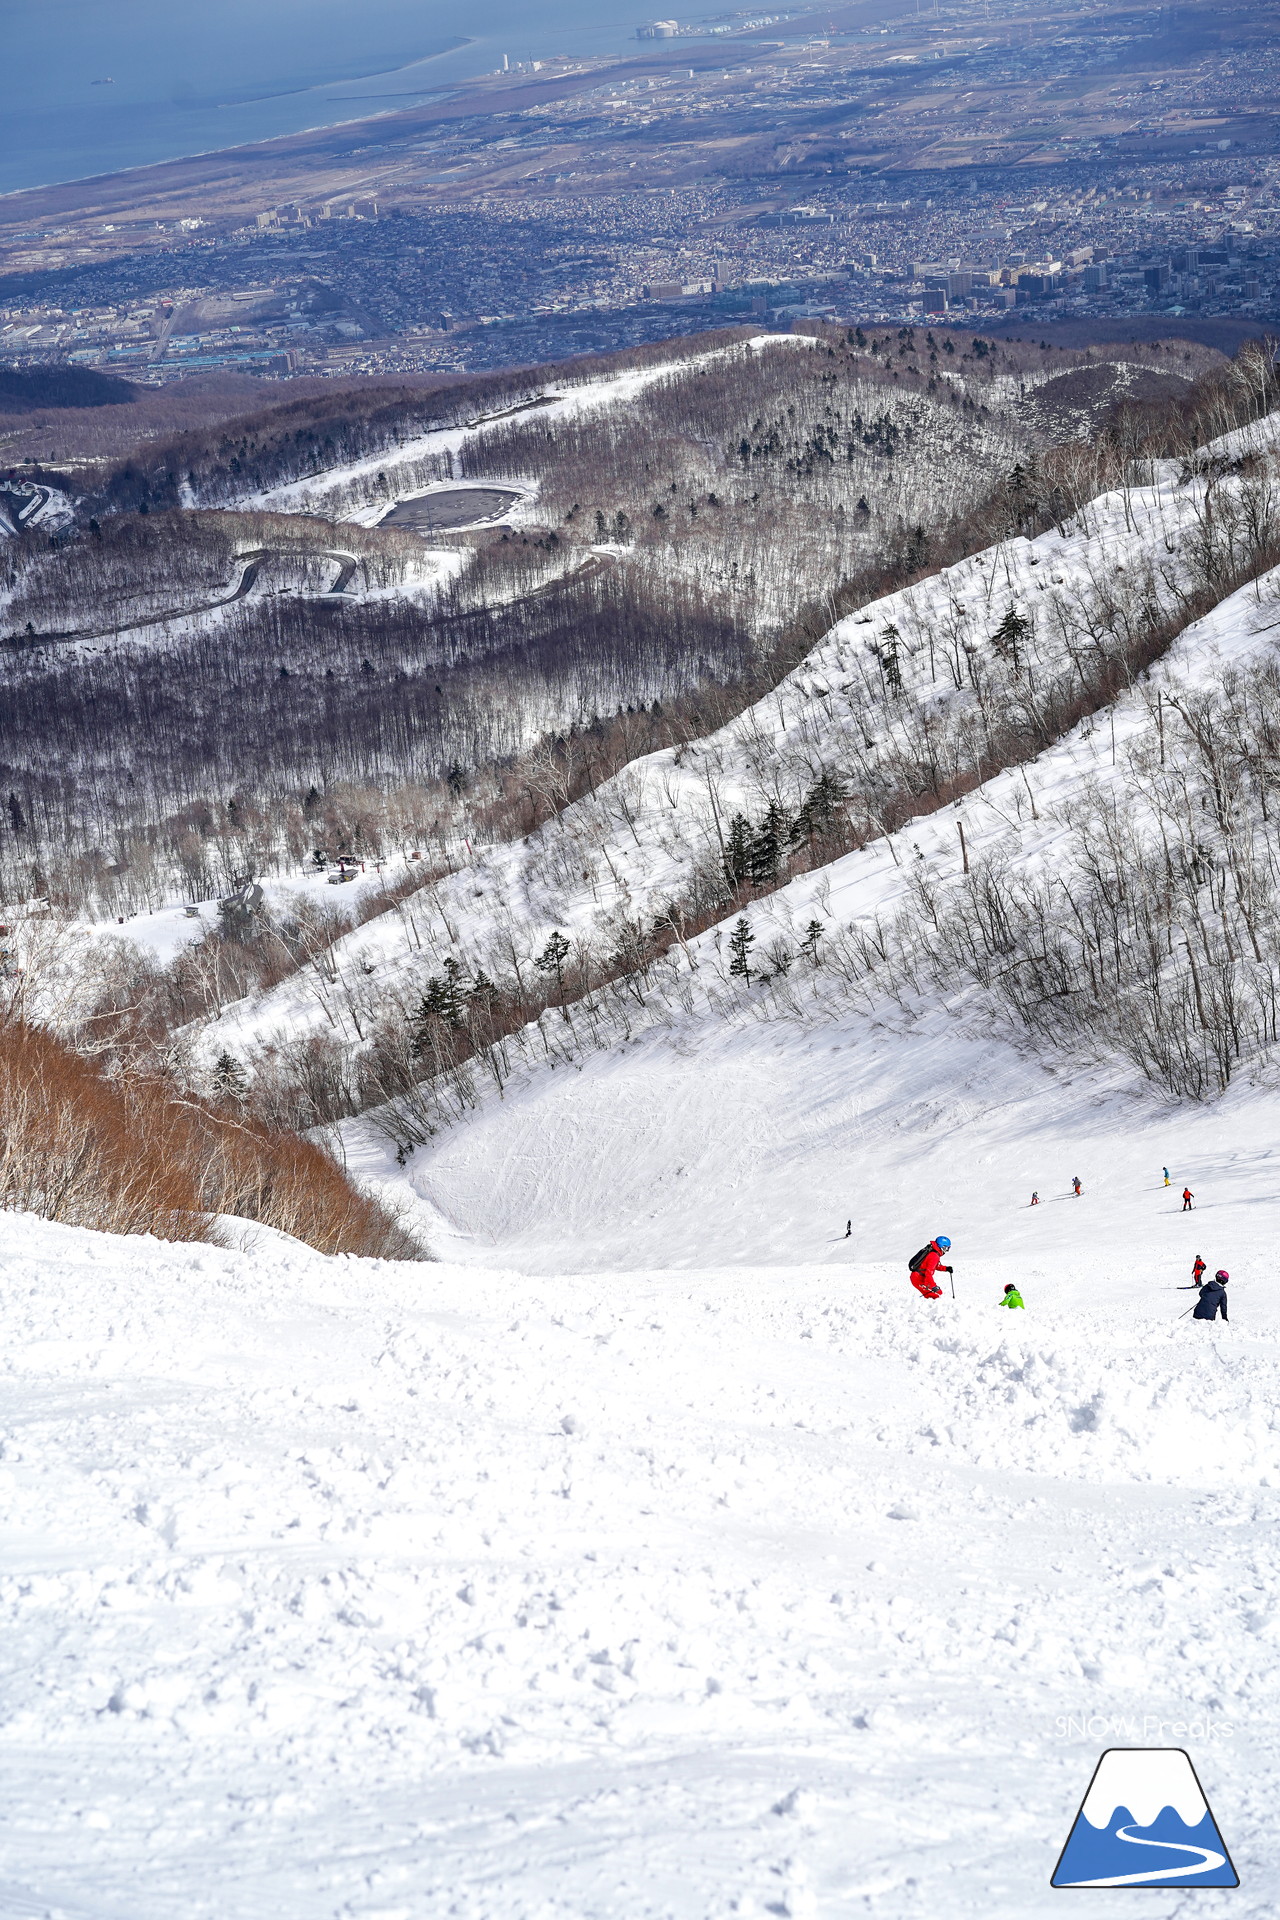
250 565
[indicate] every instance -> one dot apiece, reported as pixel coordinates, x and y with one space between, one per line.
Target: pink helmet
1222 1274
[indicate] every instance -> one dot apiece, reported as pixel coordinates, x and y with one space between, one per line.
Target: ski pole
951 1275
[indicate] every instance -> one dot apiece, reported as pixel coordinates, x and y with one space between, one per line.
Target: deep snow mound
338 1587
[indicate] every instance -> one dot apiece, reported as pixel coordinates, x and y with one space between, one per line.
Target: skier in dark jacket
926 1265
1213 1297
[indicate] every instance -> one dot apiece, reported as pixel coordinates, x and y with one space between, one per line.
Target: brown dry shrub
70 1146
126 1154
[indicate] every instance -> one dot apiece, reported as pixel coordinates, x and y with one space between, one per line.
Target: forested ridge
680 549
425 708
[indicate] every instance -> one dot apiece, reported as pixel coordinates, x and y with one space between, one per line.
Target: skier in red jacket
927 1264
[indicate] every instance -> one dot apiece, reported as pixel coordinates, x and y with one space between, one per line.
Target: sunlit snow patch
1145 1823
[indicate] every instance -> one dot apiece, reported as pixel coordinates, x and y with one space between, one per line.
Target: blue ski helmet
943 1242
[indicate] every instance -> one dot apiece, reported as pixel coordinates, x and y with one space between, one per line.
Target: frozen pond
449 508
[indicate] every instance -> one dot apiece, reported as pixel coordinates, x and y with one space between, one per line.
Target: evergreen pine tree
741 941
766 846
453 991
440 1006
818 808
737 850
229 1078
890 660
1010 637
553 957
812 935
483 993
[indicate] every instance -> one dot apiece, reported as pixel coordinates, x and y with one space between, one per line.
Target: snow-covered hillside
361 490
337 1589
616 857
740 1118
657 1551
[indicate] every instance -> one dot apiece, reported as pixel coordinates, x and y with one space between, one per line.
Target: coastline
356 79
320 126
134 187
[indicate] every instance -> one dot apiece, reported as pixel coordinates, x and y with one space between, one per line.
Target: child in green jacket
1012 1298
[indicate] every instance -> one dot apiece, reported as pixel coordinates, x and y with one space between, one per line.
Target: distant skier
1076 1185
1012 1298
1197 1271
848 1232
1187 1198
1166 1176
1213 1297
927 1264
1035 1199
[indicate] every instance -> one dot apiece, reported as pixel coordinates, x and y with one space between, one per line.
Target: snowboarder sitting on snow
926 1265
1213 1297
1012 1298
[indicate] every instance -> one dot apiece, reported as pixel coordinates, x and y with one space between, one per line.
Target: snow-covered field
165 932
692 1587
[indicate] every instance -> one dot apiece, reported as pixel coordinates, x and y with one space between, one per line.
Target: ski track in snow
340 1588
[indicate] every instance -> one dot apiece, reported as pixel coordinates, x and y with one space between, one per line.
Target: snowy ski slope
341 1588
656 1553
640 1155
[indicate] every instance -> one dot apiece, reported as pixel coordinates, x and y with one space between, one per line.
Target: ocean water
190 78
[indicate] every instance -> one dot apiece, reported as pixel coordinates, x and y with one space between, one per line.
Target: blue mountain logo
1145 1823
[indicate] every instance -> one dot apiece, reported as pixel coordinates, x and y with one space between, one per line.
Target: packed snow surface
339 1588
